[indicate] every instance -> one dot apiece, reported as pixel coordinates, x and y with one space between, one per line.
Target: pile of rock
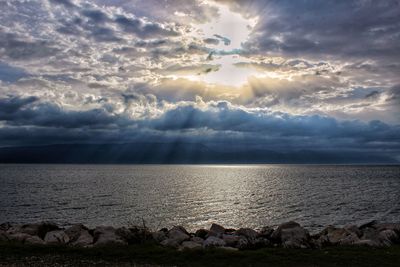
287 235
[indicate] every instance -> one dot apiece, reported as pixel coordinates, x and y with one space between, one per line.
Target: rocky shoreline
286 235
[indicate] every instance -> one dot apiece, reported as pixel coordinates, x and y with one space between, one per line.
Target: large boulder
266 232
135 235
213 241
354 229
216 230
296 237
202 233
388 226
388 237
276 235
248 233
169 242
175 237
34 229
57 237
197 239
79 235
230 240
179 234
18 237
340 236
291 235
159 236
84 240
106 236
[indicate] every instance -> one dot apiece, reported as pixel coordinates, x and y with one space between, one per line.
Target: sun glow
231 30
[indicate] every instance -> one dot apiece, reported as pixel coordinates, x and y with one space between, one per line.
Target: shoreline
286 235
45 244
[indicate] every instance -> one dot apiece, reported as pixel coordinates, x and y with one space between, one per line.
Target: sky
284 76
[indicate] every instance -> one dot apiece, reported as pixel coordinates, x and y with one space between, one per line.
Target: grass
23 255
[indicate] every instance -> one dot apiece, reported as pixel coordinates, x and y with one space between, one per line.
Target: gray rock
388 237
295 237
57 237
178 234
248 233
85 239
216 230
276 235
106 236
197 240
38 229
388 226
213 241
243 243
75 231
341 236
79 236
159 236
202 233
266 231
354 229
190 245
135 235
170 242
18 237
369 233
230 240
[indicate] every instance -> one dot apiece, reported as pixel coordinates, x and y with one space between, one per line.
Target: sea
195 196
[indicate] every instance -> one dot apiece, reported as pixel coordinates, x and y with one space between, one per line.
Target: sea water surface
197 195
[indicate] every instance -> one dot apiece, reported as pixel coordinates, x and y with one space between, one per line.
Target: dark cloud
19 48
211 41
312 27
276 131
66 3
96 16
144 29
225 40
21 111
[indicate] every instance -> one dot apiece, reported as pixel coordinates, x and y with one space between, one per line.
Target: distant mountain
169 153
